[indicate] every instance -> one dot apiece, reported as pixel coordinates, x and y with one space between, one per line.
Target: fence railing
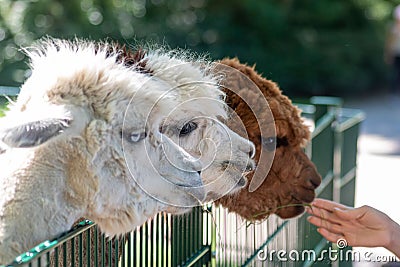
209 235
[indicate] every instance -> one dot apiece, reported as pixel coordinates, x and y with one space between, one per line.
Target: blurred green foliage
3 105
310 47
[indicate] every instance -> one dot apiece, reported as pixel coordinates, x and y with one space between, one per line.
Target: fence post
332 105
347 132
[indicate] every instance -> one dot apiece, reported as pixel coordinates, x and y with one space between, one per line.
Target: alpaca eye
269 143
282 142
188 128
136 137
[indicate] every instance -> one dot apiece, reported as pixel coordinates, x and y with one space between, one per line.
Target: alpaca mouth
250 167
213 195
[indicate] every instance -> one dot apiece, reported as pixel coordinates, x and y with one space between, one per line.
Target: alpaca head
196 122
121 135
224 155
289 178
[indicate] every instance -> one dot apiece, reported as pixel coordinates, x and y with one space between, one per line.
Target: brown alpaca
292 178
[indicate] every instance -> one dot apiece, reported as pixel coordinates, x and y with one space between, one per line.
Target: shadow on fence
209 235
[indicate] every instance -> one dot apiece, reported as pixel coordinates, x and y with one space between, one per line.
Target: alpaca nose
250 166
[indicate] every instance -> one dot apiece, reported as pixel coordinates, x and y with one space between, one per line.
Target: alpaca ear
34 133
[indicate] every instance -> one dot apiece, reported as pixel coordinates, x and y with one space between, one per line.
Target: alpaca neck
32 205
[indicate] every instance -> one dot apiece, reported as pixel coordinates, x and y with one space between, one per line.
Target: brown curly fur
292 178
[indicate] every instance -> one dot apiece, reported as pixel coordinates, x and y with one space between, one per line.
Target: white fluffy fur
88 170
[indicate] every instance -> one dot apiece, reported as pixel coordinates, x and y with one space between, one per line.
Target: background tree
324 47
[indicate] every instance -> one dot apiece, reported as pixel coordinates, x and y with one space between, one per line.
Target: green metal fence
209 235
334 151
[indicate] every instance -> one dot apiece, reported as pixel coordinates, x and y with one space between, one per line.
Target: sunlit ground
378 173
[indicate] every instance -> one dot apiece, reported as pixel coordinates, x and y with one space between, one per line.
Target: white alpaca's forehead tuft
69 55
54 59
105 77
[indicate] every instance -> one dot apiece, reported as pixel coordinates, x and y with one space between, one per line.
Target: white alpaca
99 133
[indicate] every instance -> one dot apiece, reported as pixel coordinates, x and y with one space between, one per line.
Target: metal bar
88 247
196 238
96 246
9 90
72 243
271 237
65 254
168 230
349 176
175 241
56 261
213 241
138 246
324 122
116 250
192 232
186 236
103 250
49 245
320 246
353 117
197 257
337 163
109 246
134 246
325 182
152 239
123 258
181 235
158 240
130 251
161 239
48 258
80 248
204 230
305 108
145 244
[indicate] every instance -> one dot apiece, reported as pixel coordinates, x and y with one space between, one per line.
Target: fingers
324 224
324 214
352 214
331 237
327 204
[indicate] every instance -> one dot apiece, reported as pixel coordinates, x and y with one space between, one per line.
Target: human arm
363 226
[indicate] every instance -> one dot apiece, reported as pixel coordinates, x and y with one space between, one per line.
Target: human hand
364 226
